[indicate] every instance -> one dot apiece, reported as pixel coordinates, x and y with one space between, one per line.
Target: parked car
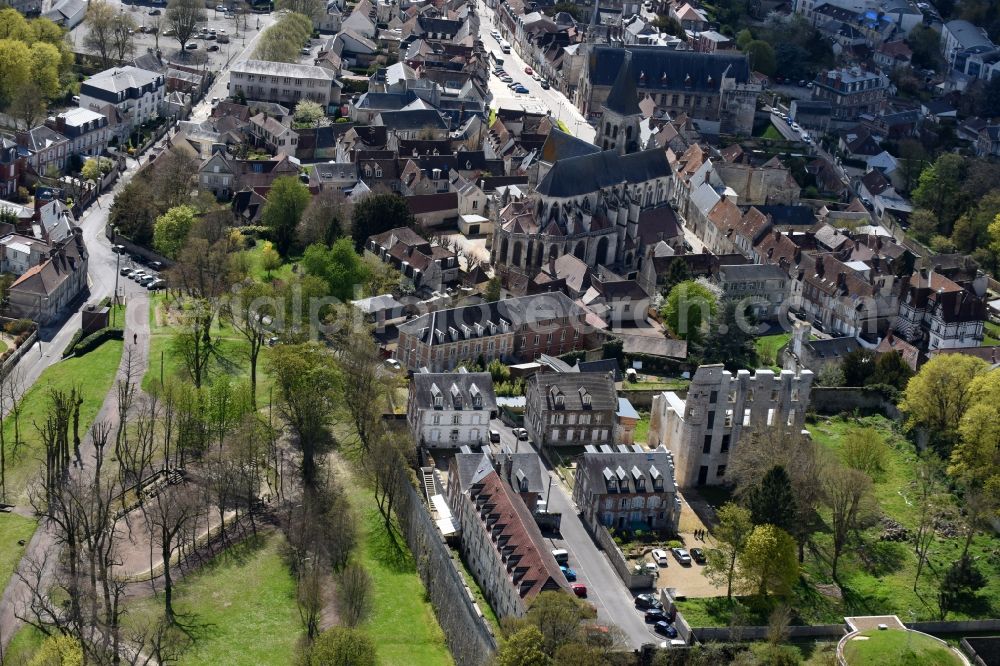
647 601
125 271
660 557
495 34
698 555
155 12
796 127
149 279
495 436
213 47
655 615
521 434
528 70
158 283
665 628
651 568
545 84
580 590
156 265
569 573
561 556
220 8
506 79
681 555
118 249
521 90
191 47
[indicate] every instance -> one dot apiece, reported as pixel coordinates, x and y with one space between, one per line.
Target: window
536 338
713 397
438 402
725 443
720 471
707 446
456 419
711 420
436 420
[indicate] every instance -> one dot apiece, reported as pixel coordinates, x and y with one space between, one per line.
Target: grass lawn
256 265
768 347
876 577
402 623
642 428
23 646
991 335
13 528
3 346
230 356
484 605
897 648
93 372
658 385
243 603
772 133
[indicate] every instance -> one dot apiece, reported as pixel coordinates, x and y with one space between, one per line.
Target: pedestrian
135 338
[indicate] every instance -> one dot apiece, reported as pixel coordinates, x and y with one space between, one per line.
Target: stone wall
622 567
866 400
466 631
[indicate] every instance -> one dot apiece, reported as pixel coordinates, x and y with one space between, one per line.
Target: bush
19 326
93 341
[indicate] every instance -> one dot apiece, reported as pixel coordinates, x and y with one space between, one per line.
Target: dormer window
378 171
477 397
368 170
585 398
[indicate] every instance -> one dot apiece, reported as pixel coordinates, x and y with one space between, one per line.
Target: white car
495 34
796 127
681 555
660 557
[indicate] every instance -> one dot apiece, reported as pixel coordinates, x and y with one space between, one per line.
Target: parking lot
136 273
209 53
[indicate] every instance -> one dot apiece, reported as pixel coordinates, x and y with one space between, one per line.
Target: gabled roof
589 173
573 386
412 120
623 98
457 390
560 145
666 68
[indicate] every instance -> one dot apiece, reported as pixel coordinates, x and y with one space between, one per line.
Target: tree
305 379
58 650
122 37
677 272
133 212
270 259
377 213
339 265
936 397
848 495
313 9
308 113
286 202
282 41
557 615
354 595
28 105
762 58
493 288
732 529
169 514
183 17
858 366
865 450
743 39
690 306
940 190
171 230
96 168
771 501
99 39
961 579
523 648
767 562
365 389
891 370
171 179
341 646
929 472
324 220
912 159
731 341
925 42
15 63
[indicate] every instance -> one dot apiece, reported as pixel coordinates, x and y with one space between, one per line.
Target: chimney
841 279
797 257
819 266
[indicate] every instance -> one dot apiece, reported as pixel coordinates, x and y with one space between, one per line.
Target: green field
14 528
876 577
242 605
897 648
23 645
772 133
94 373
402 623
642 428
768 347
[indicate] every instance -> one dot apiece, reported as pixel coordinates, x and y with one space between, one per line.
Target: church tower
619 126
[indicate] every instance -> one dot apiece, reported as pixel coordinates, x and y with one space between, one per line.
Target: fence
18 352
469 637
625 571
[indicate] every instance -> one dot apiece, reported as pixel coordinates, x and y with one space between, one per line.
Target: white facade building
451 409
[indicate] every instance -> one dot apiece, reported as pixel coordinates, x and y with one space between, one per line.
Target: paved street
614 603
552 100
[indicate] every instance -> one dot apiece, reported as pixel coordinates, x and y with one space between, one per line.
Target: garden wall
867 400
18 352
469 637
617 557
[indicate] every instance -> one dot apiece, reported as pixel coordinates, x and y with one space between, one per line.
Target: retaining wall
834 400
622 567
466 631
16 355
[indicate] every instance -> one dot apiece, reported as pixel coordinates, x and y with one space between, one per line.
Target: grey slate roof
559 145
623 98
751 272
667 68
573 386
575 176
456 388
415 119
627 466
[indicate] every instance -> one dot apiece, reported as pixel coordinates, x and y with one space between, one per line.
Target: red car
527 70
580 591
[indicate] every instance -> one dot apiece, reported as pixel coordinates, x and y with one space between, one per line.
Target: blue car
521 90
664 627
569 573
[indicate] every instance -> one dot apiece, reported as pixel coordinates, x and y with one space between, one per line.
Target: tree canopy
339 265
286 202
690 306
341 646
937 397
377 213
767 562
172 230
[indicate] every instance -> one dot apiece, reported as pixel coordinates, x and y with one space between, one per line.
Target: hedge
78 347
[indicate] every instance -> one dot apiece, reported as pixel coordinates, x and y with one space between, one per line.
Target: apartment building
425 265
627 488
851 92
515 329
702 429
284 83
136 93
763 288
570 408
500 541
88 131
451 409
938 313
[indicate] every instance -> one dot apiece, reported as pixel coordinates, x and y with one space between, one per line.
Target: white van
505 46
562 556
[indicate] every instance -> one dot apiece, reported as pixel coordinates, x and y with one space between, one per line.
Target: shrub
19 326
94 340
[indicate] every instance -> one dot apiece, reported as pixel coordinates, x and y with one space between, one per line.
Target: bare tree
28 105
354 595
325 219
309 598
848 494
122 37
170 513
366 386
385 466
193 340
247 310
930 470
100 37
183 17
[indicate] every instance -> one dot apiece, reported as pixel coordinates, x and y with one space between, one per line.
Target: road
615 604
554 101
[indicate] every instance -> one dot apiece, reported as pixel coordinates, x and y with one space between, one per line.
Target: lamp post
118 258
